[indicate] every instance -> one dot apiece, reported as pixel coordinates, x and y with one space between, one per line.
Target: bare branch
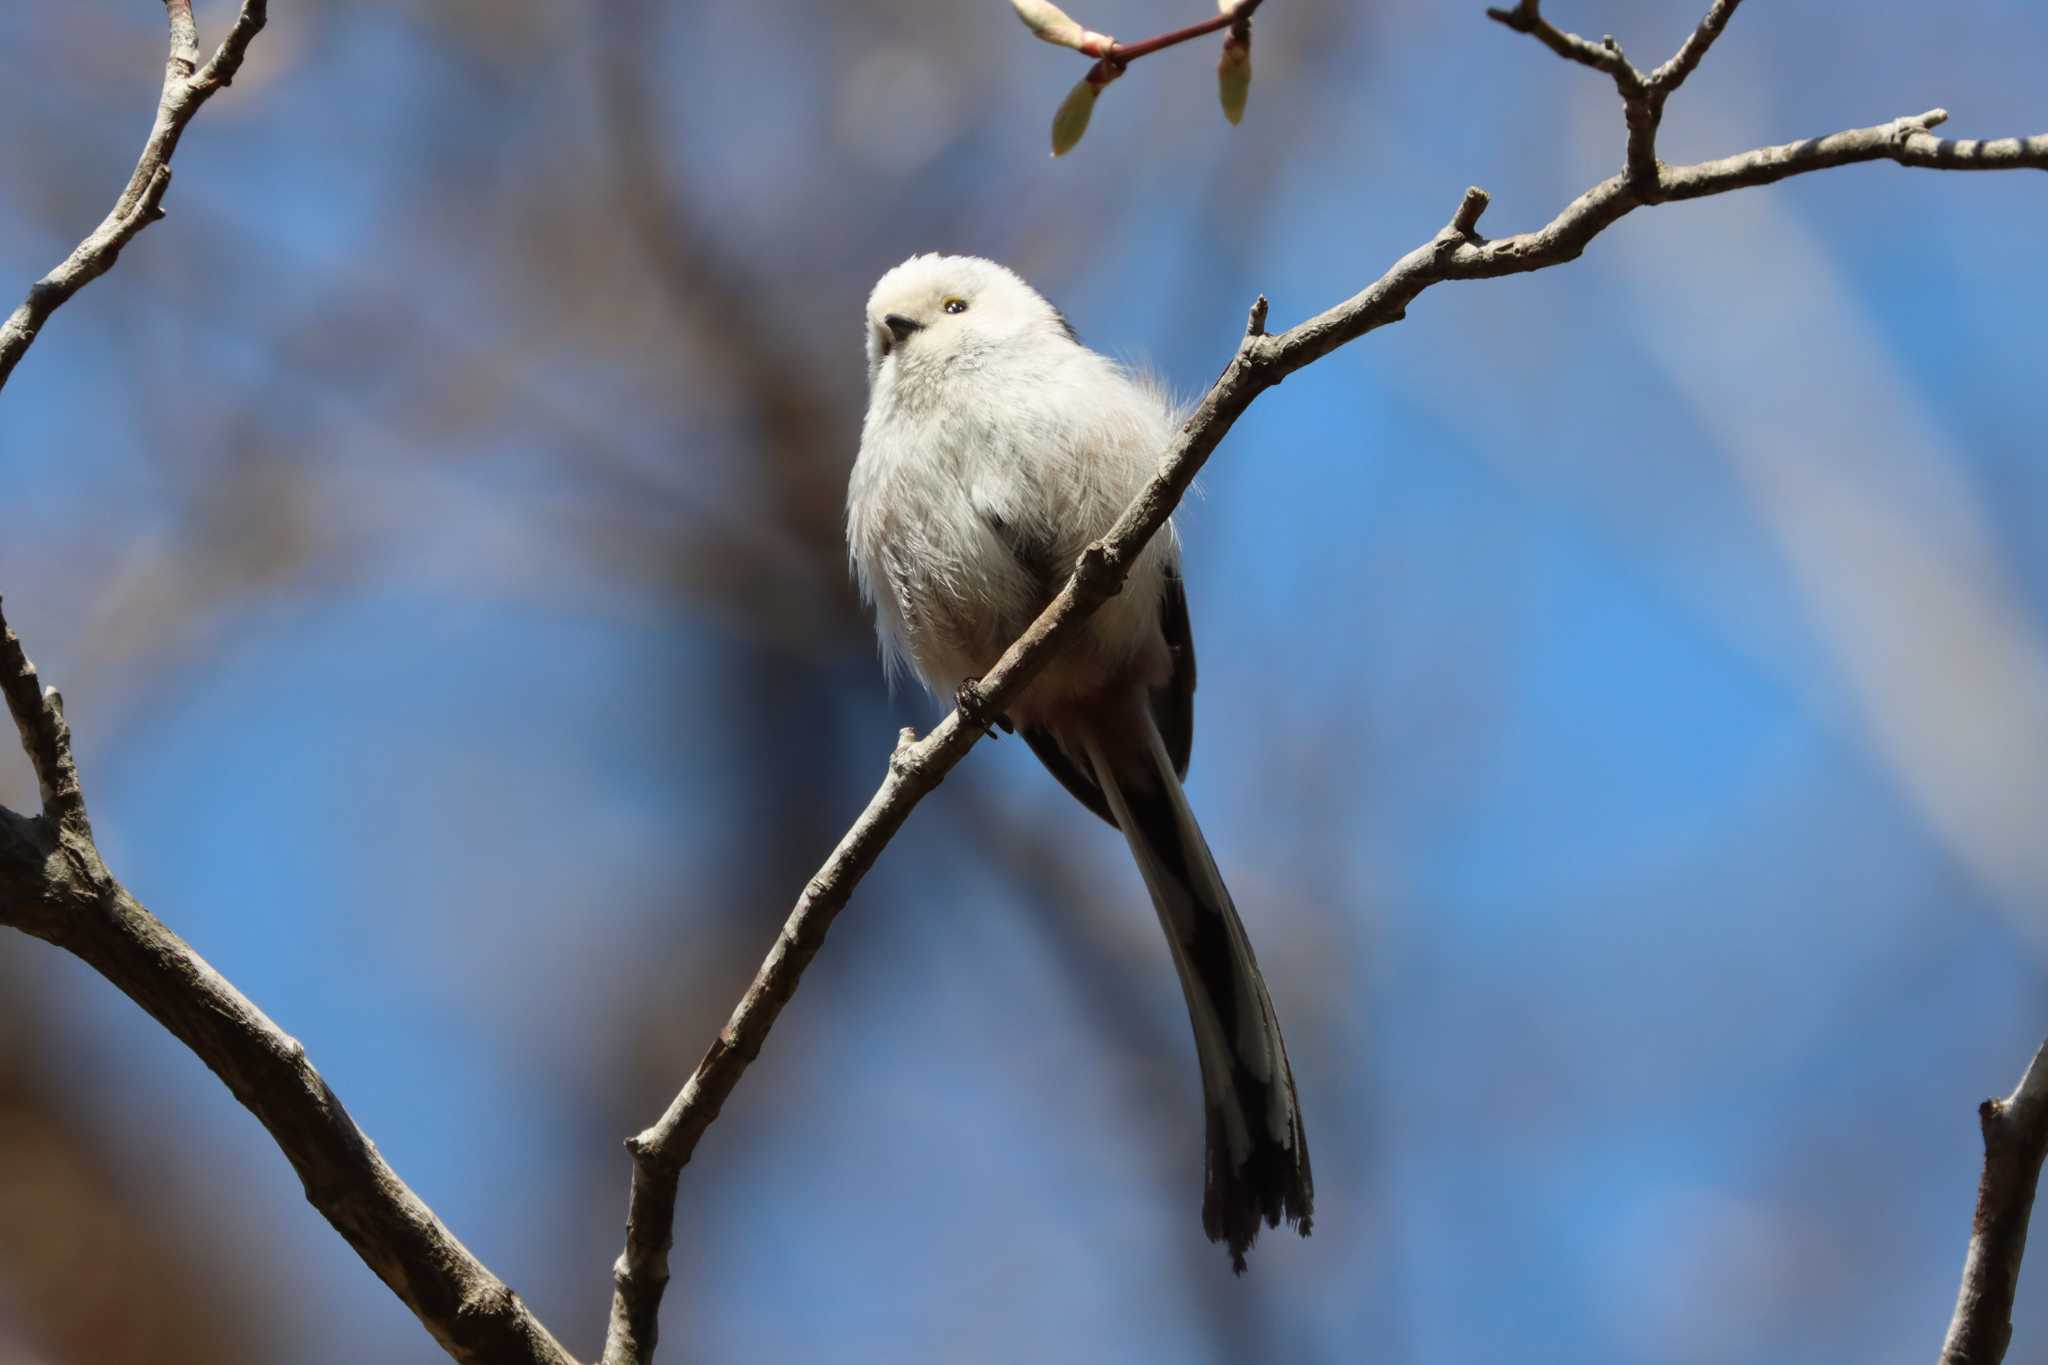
1262 361
184 58
1672 74
1642 97
141 202
39 716
1904 140
2015 1141
1604 56
221 67
54 885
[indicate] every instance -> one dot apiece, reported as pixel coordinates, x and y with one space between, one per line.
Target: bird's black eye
955 305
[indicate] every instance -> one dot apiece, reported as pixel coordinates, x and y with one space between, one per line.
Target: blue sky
1619 717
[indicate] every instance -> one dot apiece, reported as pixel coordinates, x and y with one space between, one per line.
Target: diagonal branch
2015 1141
54 885
1456 252
187 85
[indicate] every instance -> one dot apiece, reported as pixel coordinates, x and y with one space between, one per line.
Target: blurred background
1623 714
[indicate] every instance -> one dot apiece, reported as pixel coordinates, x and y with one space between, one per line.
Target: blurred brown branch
2015 1141
187 85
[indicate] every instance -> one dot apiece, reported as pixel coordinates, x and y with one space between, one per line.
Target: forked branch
1642 96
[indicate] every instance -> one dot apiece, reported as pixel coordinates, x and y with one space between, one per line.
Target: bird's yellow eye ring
956 304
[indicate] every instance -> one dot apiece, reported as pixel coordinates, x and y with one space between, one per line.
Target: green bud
1234 75
1072 119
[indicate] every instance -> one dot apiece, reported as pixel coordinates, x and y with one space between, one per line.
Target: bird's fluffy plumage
995 449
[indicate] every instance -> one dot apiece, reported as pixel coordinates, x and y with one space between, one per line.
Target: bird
995 448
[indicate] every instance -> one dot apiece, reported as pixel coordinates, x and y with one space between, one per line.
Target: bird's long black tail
1257 1156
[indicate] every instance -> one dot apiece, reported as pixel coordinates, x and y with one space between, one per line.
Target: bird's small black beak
901 327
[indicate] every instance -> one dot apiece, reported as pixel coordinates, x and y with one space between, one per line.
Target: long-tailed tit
996 447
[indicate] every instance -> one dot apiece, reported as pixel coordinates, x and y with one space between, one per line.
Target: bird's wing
1173 706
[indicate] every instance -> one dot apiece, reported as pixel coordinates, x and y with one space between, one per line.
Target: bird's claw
973 708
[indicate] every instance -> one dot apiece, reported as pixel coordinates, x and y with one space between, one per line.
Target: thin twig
1672 74
1642 96
186 87
1642 107
221 67
54 885
1121 55
39 716
2015 1141
1603 56
1456 252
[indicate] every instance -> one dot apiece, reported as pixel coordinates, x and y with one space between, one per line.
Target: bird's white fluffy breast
966 455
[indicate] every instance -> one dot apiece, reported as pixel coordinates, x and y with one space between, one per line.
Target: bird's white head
938 310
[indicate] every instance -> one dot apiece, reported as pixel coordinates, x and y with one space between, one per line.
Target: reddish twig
1121 55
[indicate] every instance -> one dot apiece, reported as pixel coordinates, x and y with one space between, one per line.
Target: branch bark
2015 1141
54 885
187 86
1457 252
1642 96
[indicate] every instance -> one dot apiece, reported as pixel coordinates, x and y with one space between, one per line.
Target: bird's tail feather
1257 1160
